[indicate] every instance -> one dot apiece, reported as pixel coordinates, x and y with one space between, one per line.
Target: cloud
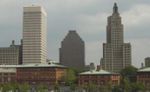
93 52
139 14
140 50
92 24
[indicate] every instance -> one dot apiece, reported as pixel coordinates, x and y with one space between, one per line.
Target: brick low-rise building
48 74
40 74
7 75
100 77
143 76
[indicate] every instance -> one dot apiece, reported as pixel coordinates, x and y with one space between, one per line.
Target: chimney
98 68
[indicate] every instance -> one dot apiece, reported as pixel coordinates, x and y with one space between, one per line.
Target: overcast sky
88 17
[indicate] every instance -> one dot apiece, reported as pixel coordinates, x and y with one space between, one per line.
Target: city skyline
89 20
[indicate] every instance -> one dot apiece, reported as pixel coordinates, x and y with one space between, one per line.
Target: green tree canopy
70 77
24 87
7 87
129 73
137 87
42 88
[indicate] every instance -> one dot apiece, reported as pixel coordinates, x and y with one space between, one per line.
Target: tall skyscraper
116 53
34 35
72 53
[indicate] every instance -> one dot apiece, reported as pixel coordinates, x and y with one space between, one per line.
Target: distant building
91 66
147 62
11 55
143 76
34 35
33 74
116 53
72 51
100 77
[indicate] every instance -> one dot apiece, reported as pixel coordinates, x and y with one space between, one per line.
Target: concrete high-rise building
72 51
34 34
147 62
11 55
116 53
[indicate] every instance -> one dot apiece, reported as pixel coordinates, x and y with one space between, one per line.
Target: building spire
115 8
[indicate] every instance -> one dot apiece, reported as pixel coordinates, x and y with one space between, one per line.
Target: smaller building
7 75
143 76
33 74
100 77
147 62
11 55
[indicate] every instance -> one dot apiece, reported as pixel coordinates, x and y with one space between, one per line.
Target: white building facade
34 34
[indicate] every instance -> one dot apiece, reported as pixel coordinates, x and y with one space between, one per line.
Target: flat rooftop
32 65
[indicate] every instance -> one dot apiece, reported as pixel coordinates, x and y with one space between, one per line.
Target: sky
88 18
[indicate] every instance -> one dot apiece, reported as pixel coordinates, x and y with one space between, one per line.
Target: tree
56 88
70 77
73 87
7 87
137 87
125 85
128 86
129 73
1 87
25 87
41 88
91 87
15 86
102 88
116 89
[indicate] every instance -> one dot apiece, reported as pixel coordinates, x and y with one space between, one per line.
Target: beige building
11 55
34 34
116 53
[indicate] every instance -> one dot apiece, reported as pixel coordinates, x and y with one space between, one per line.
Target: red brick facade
144 78
48 76
34 75
99 79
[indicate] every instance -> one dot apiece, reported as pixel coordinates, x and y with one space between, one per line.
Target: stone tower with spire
116 53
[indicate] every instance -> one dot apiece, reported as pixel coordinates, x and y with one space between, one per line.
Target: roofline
101 74
32 66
